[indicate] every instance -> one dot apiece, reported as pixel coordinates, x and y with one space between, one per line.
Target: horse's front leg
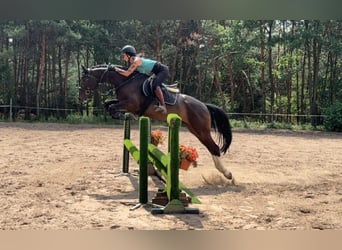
110 102
109 106
118 109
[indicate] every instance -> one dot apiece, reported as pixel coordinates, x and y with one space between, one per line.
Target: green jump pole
172 186
144 127
127 135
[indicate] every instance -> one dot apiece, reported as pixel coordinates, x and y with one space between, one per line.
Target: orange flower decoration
157 137
189 153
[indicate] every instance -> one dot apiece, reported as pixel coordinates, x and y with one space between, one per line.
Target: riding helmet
129 50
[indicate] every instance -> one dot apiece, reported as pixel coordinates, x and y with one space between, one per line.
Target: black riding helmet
129 50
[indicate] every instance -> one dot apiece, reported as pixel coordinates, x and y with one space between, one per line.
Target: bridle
88 90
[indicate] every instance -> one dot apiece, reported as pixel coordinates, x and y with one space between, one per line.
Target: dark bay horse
198 117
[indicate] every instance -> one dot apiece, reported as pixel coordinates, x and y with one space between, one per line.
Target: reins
103 75
121 84
124 83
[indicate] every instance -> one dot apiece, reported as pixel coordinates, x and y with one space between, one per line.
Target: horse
200 118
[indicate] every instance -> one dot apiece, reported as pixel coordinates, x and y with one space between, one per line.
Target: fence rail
233 115
275 115
34 108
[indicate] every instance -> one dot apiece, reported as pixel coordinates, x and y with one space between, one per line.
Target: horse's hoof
233 181
118 116
111 108
228 175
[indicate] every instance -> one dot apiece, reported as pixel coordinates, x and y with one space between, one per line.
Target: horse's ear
85 70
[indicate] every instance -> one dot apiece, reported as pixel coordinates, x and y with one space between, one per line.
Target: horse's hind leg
219 166
210 144
203 134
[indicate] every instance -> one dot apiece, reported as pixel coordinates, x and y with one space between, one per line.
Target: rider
148 67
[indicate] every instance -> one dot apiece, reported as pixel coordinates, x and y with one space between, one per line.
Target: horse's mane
108 65
99 66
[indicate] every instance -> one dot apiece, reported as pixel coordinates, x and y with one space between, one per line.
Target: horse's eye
87 92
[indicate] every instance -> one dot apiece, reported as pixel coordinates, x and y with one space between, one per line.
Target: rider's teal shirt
146 66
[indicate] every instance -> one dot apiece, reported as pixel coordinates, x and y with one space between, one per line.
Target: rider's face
125 57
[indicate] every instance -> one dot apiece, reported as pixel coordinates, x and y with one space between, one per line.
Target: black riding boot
162 107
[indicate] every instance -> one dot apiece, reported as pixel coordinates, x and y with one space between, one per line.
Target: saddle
170 92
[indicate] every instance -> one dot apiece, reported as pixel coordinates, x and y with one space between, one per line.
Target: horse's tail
221 125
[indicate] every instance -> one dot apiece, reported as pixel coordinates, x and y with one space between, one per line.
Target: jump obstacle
167 164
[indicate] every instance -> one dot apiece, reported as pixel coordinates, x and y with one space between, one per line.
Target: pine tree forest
268 70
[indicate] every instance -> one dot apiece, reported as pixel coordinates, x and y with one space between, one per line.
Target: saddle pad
170 98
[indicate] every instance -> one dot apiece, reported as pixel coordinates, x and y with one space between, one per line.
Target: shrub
333 117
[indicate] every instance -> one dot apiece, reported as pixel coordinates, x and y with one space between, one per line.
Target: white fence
238 116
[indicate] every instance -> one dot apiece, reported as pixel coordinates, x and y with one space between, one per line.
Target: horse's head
99 74
87 84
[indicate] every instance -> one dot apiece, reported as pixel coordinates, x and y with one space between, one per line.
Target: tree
249 66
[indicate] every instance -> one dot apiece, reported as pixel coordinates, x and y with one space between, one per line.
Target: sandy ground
57 176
